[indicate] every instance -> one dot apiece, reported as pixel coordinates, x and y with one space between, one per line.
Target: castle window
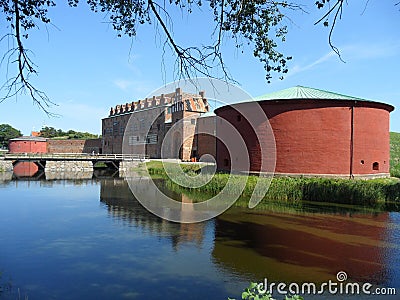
188 106
362 161
375 166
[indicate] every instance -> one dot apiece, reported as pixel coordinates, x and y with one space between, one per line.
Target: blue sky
85 68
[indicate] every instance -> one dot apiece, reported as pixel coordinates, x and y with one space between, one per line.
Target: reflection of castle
147 122
122 205
299 248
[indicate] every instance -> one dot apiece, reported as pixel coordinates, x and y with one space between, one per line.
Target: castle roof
302 92
29 138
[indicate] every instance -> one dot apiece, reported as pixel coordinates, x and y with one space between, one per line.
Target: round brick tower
317 133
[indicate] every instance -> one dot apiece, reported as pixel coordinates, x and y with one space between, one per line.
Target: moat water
90 239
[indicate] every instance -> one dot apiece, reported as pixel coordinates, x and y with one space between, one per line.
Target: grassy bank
288 189
395 154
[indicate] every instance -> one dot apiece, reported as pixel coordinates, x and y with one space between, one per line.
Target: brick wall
74 146
206 143
27 146
314 137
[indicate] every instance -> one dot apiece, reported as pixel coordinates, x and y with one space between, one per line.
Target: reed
291 189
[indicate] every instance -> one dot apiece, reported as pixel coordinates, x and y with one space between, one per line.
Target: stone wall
6 166
74 146
52 175
6 176
68 166
126 166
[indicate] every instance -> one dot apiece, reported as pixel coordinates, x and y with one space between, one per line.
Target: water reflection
297 246
122 205
91 239
304 247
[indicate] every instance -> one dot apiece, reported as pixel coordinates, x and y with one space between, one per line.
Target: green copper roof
301 92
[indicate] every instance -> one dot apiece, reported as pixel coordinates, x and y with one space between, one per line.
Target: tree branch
20 83
338 14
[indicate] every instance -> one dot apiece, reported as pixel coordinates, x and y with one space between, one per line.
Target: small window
362 162
188 106
375 166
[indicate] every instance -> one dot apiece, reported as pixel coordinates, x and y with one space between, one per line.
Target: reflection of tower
190 232
122 205
303 247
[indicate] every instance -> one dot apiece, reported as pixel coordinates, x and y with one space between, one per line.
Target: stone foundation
53 175
6 176
68 166
126 166
6 166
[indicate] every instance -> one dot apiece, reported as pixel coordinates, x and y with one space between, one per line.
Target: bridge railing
71 156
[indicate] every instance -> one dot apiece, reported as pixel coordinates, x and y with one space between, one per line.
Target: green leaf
252 285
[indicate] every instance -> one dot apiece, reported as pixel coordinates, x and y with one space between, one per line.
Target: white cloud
370 51
135 88
352 53
298 69
123 84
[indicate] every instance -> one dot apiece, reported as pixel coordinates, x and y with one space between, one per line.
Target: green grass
395 154
371 193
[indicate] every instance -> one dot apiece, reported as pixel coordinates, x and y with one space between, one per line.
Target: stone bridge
75 161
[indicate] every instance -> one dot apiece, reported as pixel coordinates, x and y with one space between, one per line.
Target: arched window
375 166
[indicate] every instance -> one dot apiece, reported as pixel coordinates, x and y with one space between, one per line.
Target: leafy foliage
252 293
258 24
7 132
50 132
395 154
